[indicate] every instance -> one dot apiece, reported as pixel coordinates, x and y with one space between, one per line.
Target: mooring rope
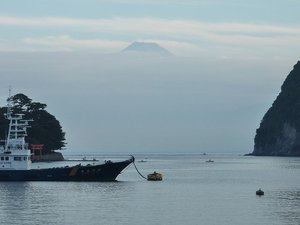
139 171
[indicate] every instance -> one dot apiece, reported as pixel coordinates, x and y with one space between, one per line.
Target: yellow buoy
154 176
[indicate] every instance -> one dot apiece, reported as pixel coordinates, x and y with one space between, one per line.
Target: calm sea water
193 192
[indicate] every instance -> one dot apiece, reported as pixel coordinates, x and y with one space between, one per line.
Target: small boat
154 176
260 192
15 159
210 161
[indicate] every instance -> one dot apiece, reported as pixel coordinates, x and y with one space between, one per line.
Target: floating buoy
151 177
260 192
154 176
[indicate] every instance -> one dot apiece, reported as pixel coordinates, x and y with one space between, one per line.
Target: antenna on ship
8 114
9 117
9 91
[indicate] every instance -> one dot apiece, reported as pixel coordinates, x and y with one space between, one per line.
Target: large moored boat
15 159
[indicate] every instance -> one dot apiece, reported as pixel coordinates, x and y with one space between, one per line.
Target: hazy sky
230 59
227 28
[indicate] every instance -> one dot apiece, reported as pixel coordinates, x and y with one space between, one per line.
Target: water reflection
60 202
193 192
13 196
25 202
288 206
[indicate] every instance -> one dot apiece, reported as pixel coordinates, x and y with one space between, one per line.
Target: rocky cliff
279 130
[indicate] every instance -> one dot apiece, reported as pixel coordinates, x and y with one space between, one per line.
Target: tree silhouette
45 128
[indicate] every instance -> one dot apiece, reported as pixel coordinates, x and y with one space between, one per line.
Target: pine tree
45 128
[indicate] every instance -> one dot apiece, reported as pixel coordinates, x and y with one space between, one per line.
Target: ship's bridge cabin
14 154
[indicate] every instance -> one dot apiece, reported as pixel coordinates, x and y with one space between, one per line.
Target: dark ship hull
103 172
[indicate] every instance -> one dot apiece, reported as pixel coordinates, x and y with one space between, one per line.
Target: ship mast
9 118
9 104
16 129
15 154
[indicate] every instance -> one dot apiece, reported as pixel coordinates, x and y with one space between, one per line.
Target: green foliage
284 110
45 128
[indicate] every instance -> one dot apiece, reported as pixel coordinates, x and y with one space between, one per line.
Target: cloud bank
181 36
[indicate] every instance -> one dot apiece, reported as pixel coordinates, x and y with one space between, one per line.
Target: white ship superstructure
15 154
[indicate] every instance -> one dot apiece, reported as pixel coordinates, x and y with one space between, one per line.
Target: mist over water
143 103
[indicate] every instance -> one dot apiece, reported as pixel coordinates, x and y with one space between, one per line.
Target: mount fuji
147 47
